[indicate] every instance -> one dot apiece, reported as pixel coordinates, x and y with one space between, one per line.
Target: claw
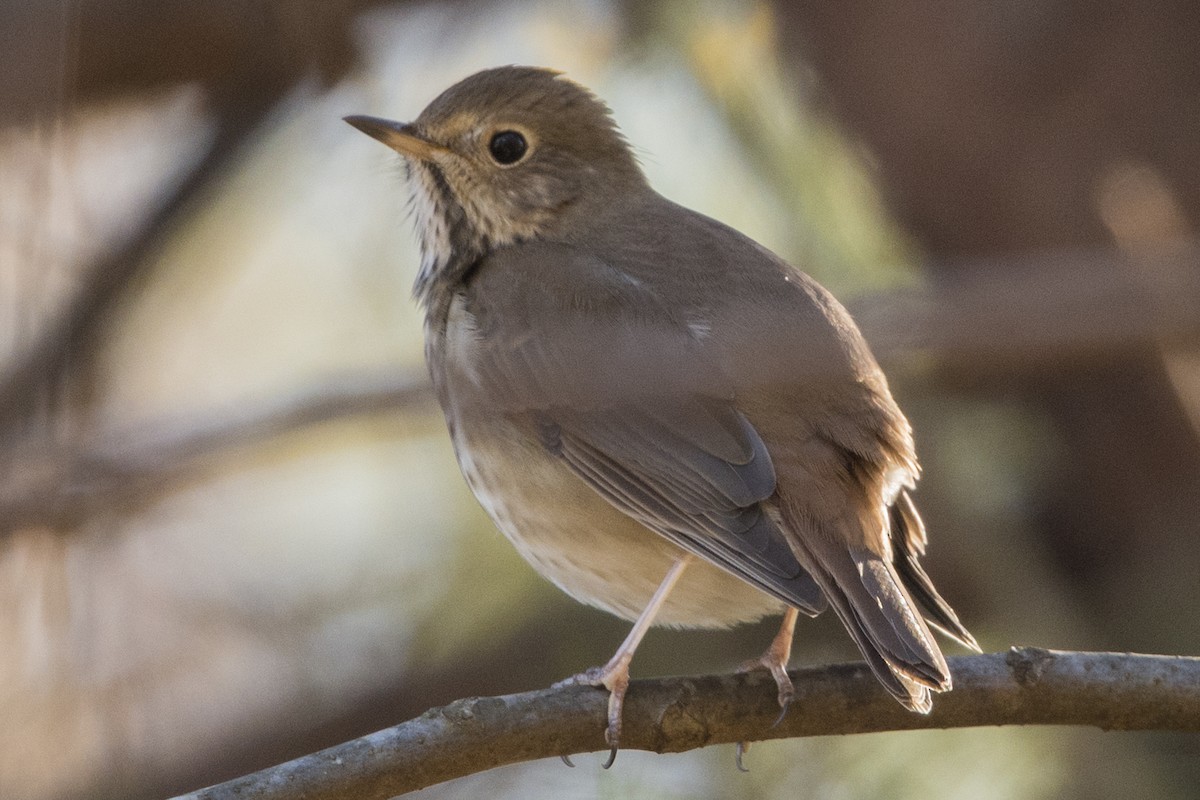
613 676
567 760
742 749
778 670
617 683
775 661
783 708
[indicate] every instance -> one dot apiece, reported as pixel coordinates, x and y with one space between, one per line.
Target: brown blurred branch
245 56
1018 315
121 47
1011 132
34 383
1026 686
65 484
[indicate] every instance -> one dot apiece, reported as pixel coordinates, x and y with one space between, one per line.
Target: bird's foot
775 662
777 666
613 676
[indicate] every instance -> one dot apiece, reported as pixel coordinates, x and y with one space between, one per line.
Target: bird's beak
399 136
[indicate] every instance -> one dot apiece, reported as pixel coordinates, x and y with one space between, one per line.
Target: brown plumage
627 382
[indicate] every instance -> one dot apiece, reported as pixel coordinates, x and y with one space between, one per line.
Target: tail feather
913 648
908 692
908 538
870 599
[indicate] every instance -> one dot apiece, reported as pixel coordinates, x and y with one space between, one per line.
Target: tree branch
65 483
1016 315
1026 686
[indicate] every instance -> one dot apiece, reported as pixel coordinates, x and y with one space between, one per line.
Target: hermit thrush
667 420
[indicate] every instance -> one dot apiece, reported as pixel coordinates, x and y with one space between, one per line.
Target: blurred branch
34 382
1017 315
69 483
120 47
252 55
1026 686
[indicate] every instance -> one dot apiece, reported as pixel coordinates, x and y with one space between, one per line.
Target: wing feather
677 488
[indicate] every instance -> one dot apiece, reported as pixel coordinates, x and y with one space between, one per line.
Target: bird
666 419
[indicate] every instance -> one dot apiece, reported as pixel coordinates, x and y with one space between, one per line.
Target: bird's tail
873 600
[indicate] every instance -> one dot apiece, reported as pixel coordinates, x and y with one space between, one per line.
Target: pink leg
775 660
614 675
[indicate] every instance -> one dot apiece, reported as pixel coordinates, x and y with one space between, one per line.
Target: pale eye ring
507 147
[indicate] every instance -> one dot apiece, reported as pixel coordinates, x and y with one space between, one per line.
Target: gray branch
1026 686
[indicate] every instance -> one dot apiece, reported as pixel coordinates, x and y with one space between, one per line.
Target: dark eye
507 147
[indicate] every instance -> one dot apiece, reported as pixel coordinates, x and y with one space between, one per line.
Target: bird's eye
507 147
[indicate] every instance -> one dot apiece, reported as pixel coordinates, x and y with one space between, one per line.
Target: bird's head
506 155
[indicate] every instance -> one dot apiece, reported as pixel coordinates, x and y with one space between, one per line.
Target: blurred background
231 527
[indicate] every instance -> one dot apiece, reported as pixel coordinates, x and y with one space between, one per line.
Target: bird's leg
614 675
775 660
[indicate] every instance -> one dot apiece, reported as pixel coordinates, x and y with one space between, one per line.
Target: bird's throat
450 244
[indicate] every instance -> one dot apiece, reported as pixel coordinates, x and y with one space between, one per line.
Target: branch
60 484
67 342
1019 314
1026 686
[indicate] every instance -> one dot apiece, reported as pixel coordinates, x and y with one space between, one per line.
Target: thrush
666 419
